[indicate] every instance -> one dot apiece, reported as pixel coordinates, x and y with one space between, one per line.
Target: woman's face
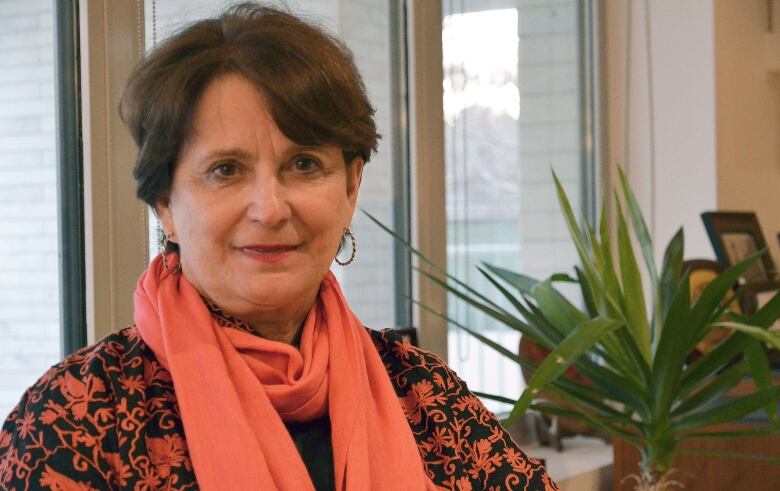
258 218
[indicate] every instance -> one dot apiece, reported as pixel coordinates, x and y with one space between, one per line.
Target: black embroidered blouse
106 418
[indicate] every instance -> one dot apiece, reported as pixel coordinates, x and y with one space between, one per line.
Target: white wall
748 114
660 94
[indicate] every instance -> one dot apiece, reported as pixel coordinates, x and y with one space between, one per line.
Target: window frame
70 178
115 231
426 136
594 170
402 223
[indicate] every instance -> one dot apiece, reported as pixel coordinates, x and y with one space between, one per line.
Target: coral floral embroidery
106 417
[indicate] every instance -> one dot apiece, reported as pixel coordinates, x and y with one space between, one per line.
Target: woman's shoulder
71 427
416 372
461 441
115 348
91 371
396 348
423 380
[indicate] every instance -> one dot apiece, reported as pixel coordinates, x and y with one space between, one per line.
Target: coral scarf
234 390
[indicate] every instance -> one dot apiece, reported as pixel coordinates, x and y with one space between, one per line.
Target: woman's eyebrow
296 148
292 149
223 153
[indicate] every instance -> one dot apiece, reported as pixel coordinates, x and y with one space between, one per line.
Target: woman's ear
354 177
162 209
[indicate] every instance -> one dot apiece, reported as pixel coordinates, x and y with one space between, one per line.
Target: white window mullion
426 123
115 222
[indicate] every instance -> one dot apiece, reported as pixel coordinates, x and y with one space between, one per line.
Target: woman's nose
268 202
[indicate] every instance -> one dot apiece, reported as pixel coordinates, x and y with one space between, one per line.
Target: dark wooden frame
699 264
751 291
718 223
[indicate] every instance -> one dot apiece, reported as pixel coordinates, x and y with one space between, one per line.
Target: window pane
512 111
364 25
29 268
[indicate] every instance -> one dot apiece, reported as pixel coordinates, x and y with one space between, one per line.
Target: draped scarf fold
235 390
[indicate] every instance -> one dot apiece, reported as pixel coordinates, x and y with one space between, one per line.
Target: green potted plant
641 389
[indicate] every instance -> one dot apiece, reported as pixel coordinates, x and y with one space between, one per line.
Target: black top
313 440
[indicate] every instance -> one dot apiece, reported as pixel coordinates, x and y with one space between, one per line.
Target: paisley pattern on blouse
106 417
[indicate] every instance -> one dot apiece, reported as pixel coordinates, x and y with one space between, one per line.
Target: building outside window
513 113
29 249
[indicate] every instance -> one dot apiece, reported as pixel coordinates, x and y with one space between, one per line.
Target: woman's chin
277 293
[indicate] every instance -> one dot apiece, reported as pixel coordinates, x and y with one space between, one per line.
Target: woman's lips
268 254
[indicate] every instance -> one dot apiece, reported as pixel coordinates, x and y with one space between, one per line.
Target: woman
245 368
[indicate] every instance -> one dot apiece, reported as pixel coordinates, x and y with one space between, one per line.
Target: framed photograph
702 272
735 236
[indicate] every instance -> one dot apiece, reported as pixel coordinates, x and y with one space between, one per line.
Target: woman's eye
305 164
225 170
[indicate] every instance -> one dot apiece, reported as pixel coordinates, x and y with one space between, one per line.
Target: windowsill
584 465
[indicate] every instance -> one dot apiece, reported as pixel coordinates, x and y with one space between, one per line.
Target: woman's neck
283 325
284 332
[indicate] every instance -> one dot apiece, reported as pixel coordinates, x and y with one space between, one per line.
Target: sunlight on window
480 49
512 112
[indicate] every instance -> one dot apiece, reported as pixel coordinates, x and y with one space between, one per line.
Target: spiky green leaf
672 348
717 384
715 292
646 246
579 340
556 308
493 397
633 292
431 264
671 271
729 411
523 283
640 227
759 367
771 338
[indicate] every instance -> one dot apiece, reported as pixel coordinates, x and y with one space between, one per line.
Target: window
513 110
376 282
29 248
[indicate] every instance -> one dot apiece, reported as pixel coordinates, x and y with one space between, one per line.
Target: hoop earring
165 257
348 233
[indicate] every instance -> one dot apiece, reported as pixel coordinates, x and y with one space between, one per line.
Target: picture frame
752 296
756 295
734 237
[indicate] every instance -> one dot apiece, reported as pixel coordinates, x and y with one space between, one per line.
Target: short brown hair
307 77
